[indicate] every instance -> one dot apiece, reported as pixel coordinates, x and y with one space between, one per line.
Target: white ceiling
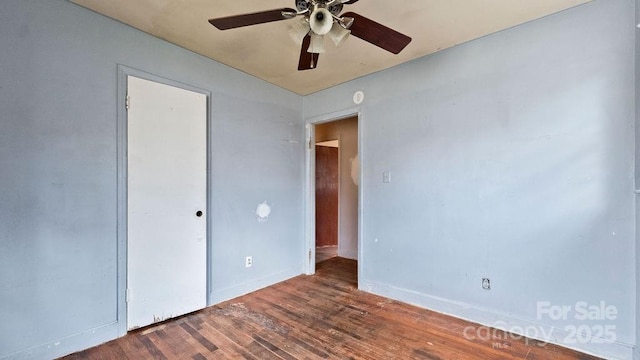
267 52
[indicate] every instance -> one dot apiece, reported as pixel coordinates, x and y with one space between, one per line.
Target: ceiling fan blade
236 21
377 34
307 60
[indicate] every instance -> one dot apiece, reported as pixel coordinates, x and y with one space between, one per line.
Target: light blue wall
512 157
58 243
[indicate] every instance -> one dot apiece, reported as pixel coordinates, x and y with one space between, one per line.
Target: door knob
198 213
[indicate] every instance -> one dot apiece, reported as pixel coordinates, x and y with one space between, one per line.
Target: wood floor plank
176 342
323 316
229 347
151 347
201 339
263 329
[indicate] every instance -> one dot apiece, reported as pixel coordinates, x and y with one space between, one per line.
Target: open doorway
336 189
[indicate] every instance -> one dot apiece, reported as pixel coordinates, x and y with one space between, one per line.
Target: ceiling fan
320 18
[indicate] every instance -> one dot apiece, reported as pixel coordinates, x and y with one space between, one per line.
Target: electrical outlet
486 283
248 261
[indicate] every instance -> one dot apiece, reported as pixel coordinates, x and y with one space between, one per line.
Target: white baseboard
68 345
485 318
228 293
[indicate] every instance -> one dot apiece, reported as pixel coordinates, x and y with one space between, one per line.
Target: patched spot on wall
263 211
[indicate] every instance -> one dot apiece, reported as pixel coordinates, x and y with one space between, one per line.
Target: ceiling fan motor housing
304 5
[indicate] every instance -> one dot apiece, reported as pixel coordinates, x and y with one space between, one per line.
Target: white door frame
310 185
121 133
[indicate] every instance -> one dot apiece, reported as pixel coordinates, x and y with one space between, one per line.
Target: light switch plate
386 177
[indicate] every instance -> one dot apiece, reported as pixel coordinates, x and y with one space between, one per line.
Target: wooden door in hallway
327 185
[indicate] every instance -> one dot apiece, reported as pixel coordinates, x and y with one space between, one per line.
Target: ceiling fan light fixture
321 21
338 34
316 46
299 30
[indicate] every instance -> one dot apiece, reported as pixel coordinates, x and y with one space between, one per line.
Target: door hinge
309 256
127 295
310 144
127 102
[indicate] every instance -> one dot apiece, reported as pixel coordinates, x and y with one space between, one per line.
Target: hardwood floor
317 317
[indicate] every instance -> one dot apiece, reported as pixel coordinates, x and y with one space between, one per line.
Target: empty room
319 179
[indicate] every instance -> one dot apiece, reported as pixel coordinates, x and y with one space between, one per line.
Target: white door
166 204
